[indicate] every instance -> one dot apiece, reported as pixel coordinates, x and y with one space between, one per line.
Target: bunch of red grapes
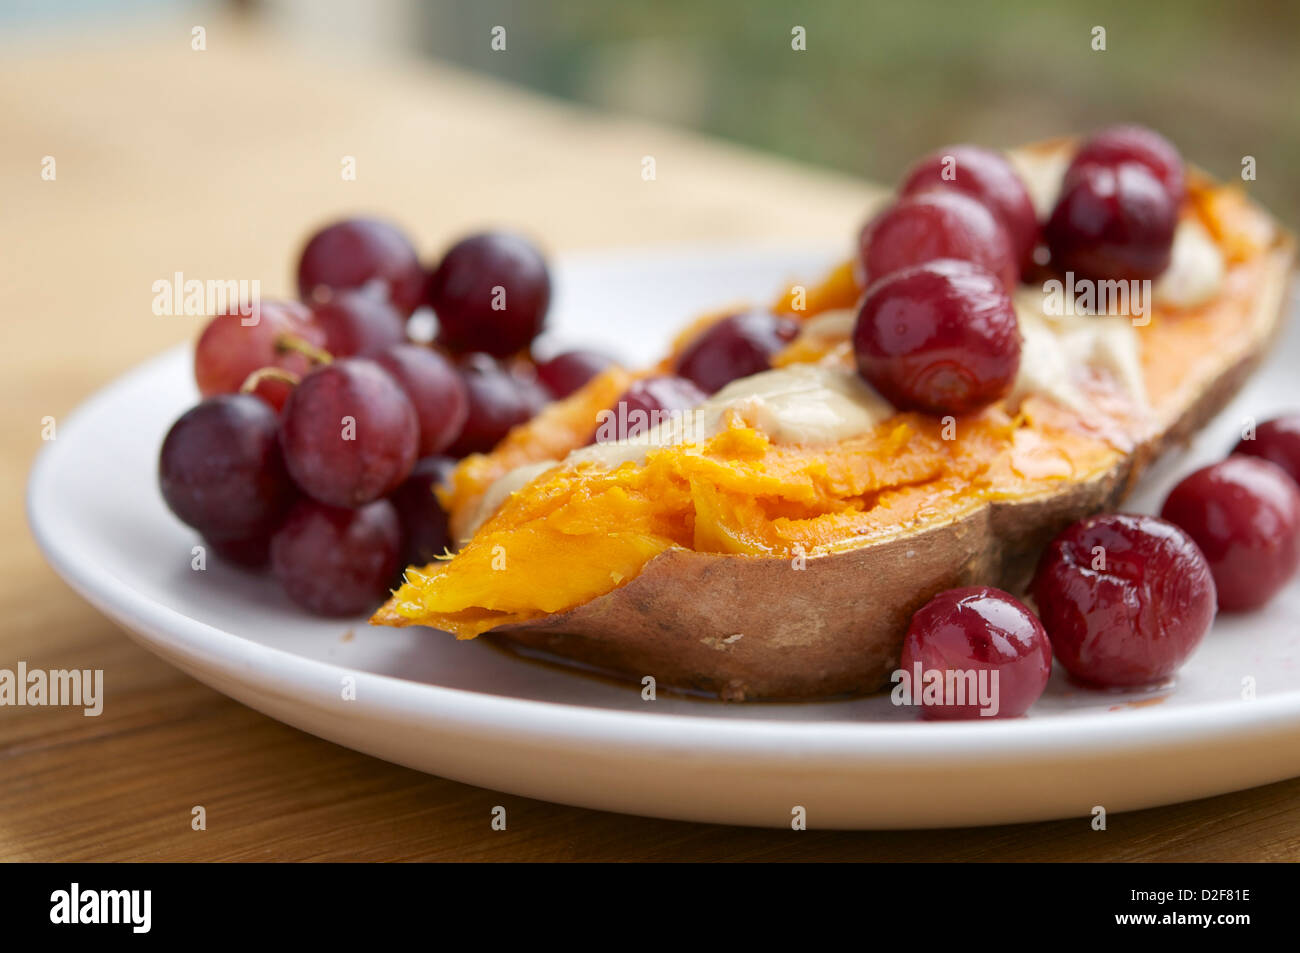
324 428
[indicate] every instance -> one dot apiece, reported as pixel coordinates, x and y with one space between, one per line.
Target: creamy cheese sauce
799 404
1196 268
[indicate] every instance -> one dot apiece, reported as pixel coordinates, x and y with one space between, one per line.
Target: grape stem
265 374
291 342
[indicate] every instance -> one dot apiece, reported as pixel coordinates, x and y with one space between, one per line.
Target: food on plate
988 648
491 293
990 179
349 433
335 560
937 224
1244 513
1125 599
737 346
220 468
234 345
361 253
940 338
1277 441
498 401
357 323
436 391
774 539
564 373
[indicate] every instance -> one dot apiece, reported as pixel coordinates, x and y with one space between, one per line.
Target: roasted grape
932 225
990 179
1117 145
1125 599
1112 223
1244 513
941 338
973 636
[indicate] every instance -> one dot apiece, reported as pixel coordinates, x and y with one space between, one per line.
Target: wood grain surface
216 163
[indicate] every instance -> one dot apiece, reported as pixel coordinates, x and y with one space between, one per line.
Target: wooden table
214 164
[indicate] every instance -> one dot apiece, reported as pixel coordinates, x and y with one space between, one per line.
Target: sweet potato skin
747 627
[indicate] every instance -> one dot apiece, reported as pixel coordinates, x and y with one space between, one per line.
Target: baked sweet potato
765 601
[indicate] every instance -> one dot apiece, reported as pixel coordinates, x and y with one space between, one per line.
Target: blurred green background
880 83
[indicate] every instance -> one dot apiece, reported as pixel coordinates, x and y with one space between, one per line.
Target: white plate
470 712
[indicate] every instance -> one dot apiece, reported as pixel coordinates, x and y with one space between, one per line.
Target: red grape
1116 145
498 400
1125 599
735 347
335 561
1112 223
251 553
220 468
436 391
990 179
569 371
357 323
1277 441
969 632
1244 513
937 224
233 346
491 293
350 434
358 251
941 337
424 522
645 403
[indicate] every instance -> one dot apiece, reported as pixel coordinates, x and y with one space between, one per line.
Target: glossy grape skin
735 347
990 179
229 349
941 338
1134 618
644 403
425 535
462 291
979 628
942 223
357 323
336 561
498 400
1277 441
435 389
1116 145
357 252
1112 223
1244 514
569 371
350 434
220 469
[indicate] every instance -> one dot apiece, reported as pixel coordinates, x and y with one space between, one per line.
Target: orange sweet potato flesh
751 570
